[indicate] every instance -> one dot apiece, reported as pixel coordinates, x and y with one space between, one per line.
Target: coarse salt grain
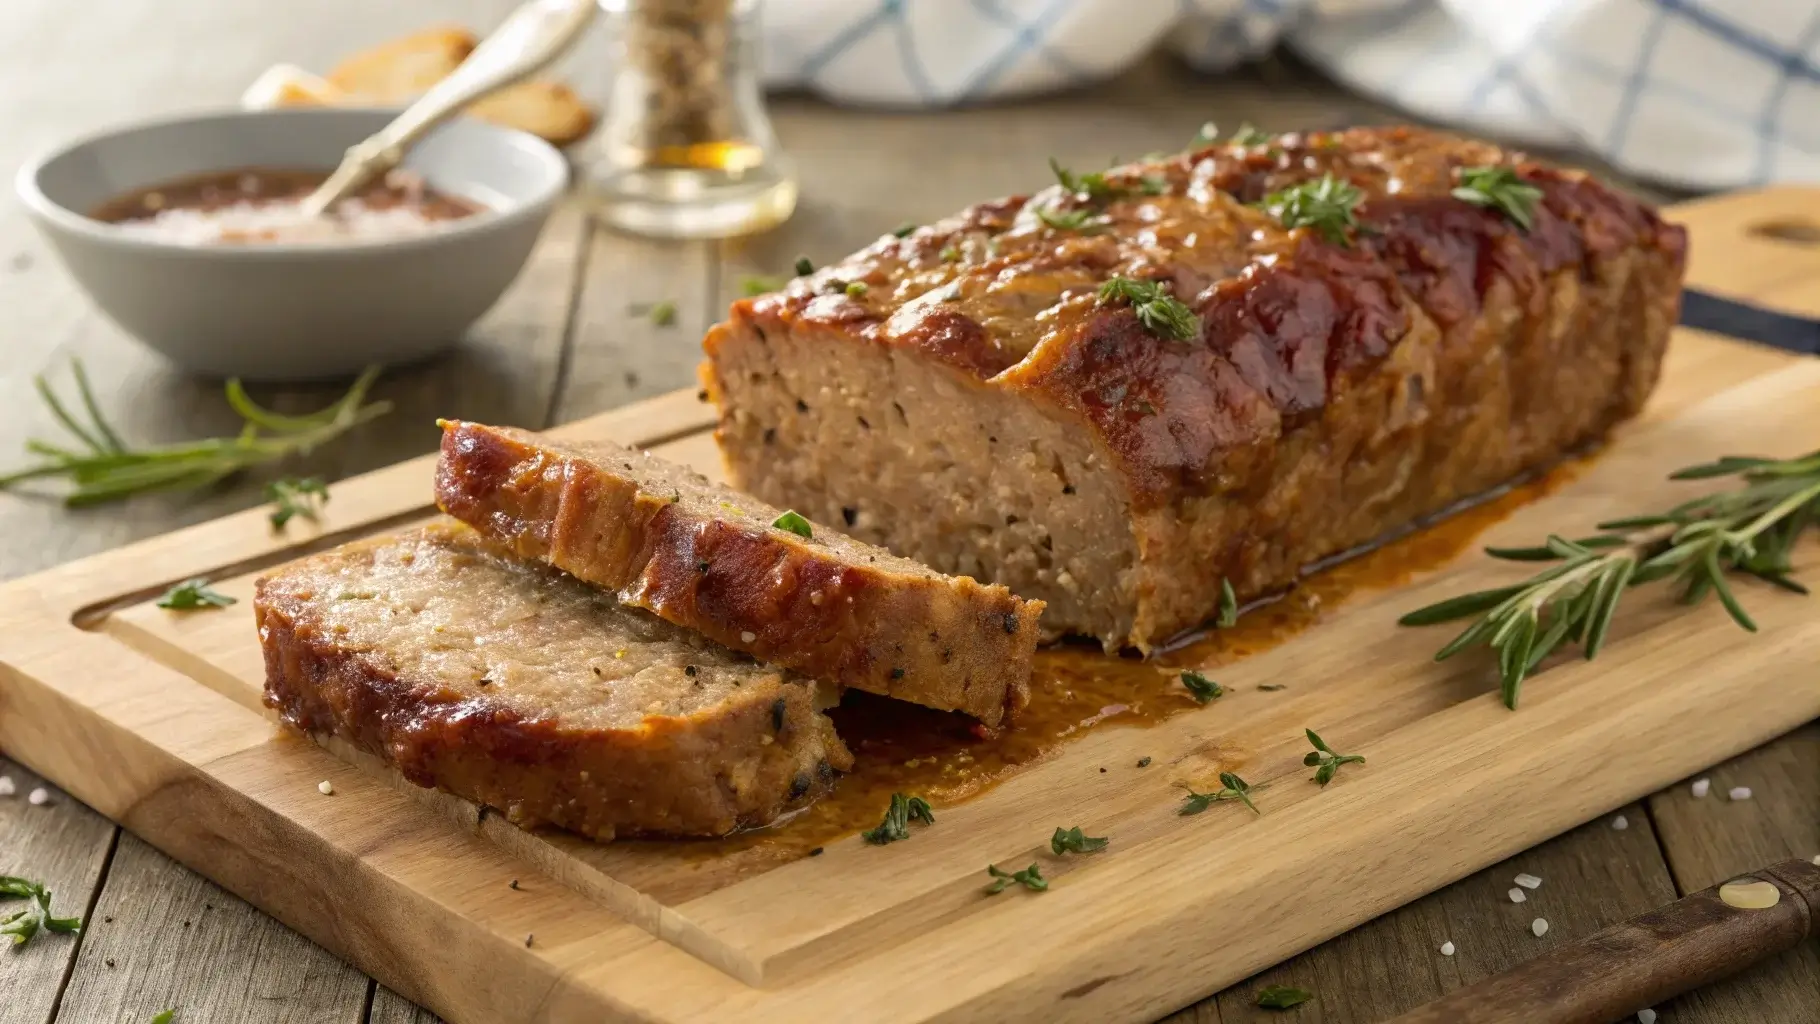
1447 949
38 797
325 787
1518 895
1528 881
747 636
1702 786
1646 1016
1539 927
6 786
1620 823
1739 793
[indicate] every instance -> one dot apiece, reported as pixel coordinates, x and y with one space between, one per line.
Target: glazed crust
703 771
1337 390
709 559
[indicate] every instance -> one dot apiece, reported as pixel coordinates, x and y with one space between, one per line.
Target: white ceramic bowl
271 311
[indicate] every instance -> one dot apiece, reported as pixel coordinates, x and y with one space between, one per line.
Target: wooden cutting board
154 718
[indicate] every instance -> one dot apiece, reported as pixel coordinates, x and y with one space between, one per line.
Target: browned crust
950 643
705 774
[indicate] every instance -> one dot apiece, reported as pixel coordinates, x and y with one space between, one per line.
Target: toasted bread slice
399 71
518 687
711 559
549 110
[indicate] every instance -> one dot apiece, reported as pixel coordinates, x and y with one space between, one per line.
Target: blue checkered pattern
1697 93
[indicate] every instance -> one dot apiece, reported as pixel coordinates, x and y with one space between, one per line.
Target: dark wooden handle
1643 961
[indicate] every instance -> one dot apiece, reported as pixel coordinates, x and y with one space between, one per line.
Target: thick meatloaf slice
964 396
523 689
707 557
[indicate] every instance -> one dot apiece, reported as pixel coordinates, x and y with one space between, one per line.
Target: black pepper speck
779 708
1143 762
1010 622
897 673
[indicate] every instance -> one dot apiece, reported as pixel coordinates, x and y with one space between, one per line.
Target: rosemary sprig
1231 788
1203 688
1750 529
1324 756
24 923
1500 189
291 497
110 470
1073 840
1161 313
1326 206
898 816
1030 878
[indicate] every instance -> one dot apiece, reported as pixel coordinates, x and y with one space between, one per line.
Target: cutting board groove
154 718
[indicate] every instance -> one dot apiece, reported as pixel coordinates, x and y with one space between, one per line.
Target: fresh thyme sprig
1324 756
109 469
193 594
291 497
1499 188
1282 997
1161 313
898 816
1203 688
1326 205
24 923
1231 788
1030 878
1750 529
1073 840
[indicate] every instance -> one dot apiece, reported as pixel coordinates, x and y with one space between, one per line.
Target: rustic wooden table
566 342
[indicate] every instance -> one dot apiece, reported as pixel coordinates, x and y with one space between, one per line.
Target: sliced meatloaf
968 397
709 558
523 689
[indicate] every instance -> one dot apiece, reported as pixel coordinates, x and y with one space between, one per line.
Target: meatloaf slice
967 397
521 688
710 558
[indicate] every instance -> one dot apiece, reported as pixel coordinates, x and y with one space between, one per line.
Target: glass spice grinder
685 149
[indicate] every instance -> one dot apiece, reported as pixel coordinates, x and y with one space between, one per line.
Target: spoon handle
535 35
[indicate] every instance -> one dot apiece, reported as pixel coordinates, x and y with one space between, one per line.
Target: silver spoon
535 35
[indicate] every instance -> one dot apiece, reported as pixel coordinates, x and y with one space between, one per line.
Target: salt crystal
1539 927
325 787
1739 793
1701 786
1817 859
1518 895
38 797
6 786
1528 881
1620 823
747 636
1447 949
1646 1016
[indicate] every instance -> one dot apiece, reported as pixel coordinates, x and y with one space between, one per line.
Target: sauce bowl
294 311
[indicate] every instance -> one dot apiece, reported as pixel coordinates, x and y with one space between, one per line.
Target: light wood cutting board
154 718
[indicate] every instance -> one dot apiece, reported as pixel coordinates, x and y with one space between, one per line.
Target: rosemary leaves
1160 313
1750 530
1500 189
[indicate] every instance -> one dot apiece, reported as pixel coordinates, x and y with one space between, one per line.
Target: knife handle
1643 961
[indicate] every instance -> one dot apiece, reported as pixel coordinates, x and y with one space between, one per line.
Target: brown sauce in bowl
254 205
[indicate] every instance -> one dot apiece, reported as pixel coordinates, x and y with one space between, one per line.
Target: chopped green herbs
1161 313
24 923
755 285
1073 840
291 497
164 1017
1324 756
898 816
856 289
1203 688
1229 605
1500 189
949 254
110 470
903 230
1326 206
1093 184
1283 997
1231 788
1030 878
662 314
193 594
794 523
803 267
1083 221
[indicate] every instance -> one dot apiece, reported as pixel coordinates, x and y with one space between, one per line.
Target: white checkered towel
1696 93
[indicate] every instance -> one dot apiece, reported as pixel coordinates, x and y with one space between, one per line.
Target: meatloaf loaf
711 559
1004 394
520 688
